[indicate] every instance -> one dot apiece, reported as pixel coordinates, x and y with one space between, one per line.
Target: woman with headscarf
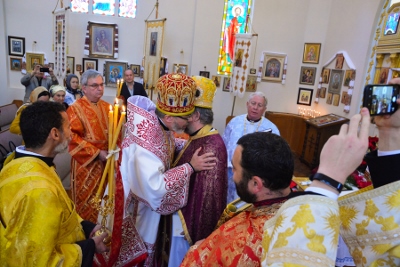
57 93
39 94
73 91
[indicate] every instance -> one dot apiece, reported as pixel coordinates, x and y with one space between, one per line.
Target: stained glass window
127 8
80 6
104 7
234 21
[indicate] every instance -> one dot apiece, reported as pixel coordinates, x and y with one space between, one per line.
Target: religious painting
239 57
311 53
325 75
127 8
205 74
153 44
335 84
180 68
336 98
59 31
339 61
78 67
89 63
163 66
349 75
16 46
81 6
33 59
217 80
322 93
113 72
383 77
135 69
392 23
233 22
251 83
104 7
307 75
15 63
345 98
329 99
304 97
253 71
51 65
70 65
226 87
101 40
273 67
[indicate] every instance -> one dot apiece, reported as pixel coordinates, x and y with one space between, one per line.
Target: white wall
194 27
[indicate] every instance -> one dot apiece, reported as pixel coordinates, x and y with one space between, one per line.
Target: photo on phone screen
381 99
44 70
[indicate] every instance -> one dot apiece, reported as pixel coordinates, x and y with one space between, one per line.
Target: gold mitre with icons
175 94
205 92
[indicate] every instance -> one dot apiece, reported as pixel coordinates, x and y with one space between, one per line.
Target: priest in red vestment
89 144
208 188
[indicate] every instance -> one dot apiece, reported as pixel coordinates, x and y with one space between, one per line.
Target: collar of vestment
205 131
21 153
253 121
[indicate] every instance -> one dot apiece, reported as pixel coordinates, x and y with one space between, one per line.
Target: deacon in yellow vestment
39 225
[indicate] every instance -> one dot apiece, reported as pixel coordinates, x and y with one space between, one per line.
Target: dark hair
44 93
37 120
268 156
206 115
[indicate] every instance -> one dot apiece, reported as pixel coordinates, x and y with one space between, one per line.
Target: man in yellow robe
370 217
38 222
283 228
89 144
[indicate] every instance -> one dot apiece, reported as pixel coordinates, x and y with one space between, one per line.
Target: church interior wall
192 35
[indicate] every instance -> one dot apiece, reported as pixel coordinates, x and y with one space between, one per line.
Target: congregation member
72 87
39 224
151 187
89 144
38 94
283 228
57 93
207 189
370 219
130 87
37 78
253 121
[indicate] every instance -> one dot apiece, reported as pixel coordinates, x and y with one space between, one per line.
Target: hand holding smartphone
380 99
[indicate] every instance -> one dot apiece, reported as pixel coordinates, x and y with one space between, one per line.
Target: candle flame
123 108
110 107
116 101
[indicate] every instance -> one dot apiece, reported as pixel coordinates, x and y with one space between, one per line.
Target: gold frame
30 57
176 67
272 58
94 29
12 59
317 50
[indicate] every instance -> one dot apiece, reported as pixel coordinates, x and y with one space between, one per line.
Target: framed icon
304 97
16 46
89 63
311 53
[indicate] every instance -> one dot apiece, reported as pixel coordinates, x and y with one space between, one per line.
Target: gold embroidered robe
41 222
371 225
89 126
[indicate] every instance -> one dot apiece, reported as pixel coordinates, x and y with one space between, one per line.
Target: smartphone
44 70
380 99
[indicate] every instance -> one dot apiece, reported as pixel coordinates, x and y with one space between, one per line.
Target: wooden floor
300 169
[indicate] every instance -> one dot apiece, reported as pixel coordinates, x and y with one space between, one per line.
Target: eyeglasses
255 104
95 85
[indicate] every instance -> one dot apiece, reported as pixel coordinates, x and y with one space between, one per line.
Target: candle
118 129
111 177
110 126
115 116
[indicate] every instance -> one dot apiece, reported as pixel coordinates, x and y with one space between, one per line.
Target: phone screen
381 99
44 70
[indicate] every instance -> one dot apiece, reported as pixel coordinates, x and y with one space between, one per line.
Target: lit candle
115 116
118 129
111 176
110 126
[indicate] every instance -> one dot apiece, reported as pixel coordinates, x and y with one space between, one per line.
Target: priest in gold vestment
38 222
370 217
89 144
283 228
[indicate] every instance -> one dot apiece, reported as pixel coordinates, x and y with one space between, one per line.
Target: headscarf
56 88
38 92
68 84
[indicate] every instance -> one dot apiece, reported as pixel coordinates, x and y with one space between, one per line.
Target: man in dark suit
130 87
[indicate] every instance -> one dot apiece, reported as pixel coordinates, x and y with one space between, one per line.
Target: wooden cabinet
292 128
318 130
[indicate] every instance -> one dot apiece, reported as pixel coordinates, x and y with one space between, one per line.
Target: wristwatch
328 181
